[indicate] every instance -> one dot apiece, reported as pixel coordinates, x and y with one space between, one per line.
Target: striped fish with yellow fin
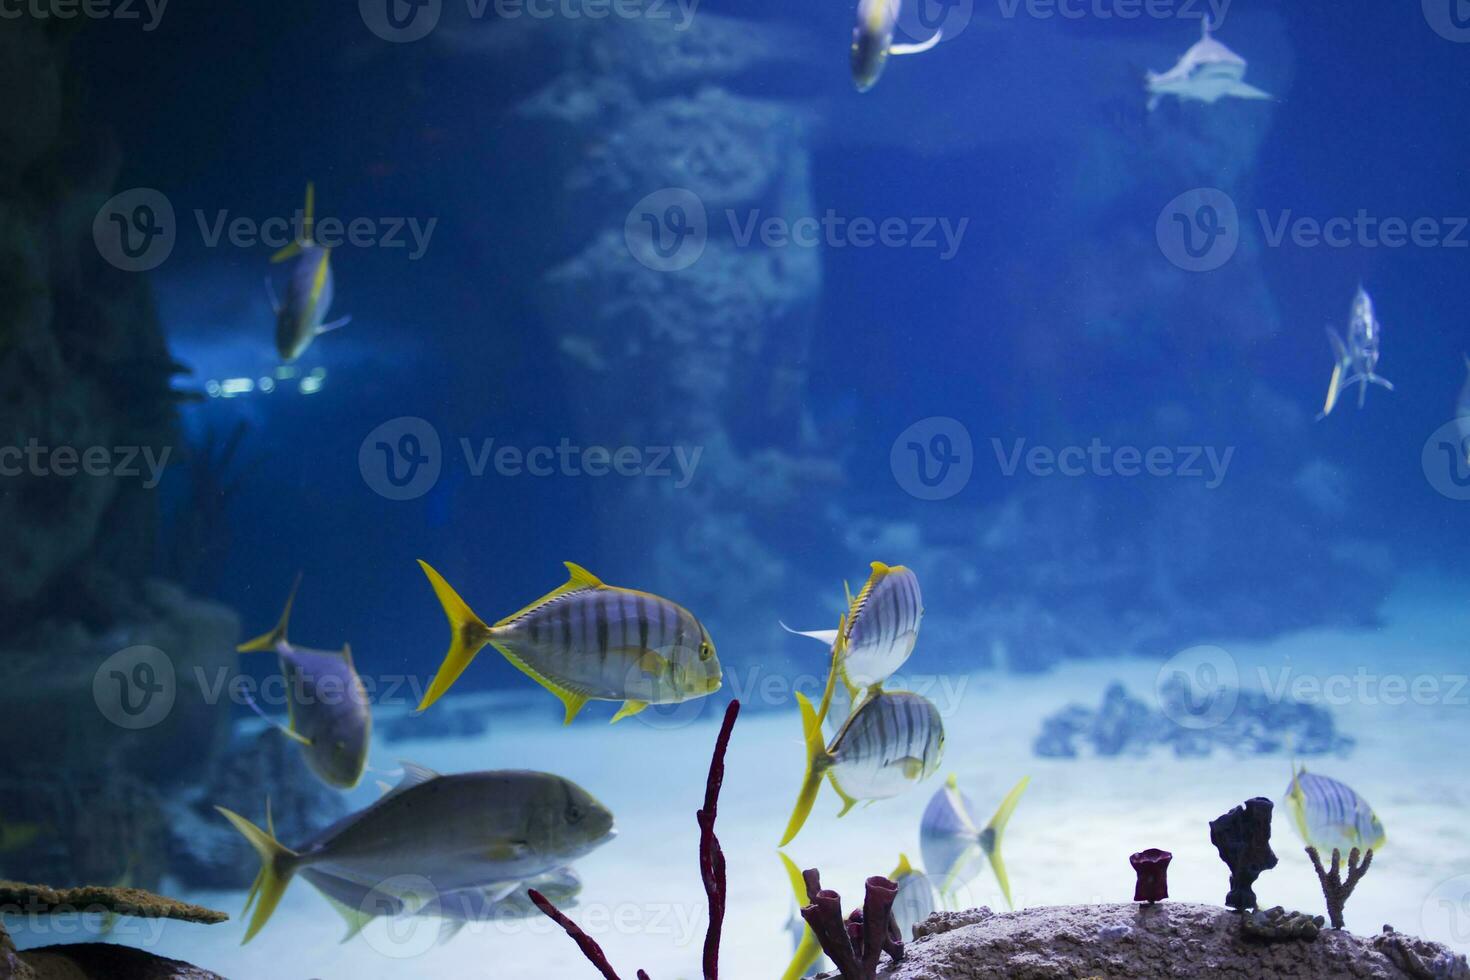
956 848
309 290
1328 815
587 641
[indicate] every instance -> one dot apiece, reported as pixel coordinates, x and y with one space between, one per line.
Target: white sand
1068 843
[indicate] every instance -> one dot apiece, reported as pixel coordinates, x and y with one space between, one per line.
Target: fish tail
277 865
277 636
816 767
808 951
468 635
990 837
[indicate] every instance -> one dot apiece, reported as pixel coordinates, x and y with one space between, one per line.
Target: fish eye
574 813
706 651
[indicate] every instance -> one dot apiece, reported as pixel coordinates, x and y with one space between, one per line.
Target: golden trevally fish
330 715
892 740
1327 814
463 831
309 290
915 899
877 633
587 641
955 847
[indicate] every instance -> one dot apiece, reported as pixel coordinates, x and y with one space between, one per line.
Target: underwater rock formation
1126 725
1171 941
1243 838
94 961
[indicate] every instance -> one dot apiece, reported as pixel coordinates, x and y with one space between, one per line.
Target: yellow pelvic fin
808 951
276 869
629 709
468 635
817 761
356 919
269 641
847 802
990 838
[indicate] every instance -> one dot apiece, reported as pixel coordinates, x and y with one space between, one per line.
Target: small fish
587 641
308 291
891 741
872 41
1462 414
915 900
954 846
1208 72
808 956
876 635
1356 361
327 705
359 904
464 831
1328 814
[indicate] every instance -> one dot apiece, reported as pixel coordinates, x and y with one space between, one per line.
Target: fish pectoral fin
511 850
913 768
647 660
285 730
499 893
629 709
919 48
334 325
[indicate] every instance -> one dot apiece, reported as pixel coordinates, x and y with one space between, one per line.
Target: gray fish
955 847
892 740
1208 72
1356 361
587 641
872 41
915 900
463 831
330 715
309 289
1330 815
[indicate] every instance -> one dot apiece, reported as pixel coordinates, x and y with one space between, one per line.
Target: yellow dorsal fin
581 578
268 641
903 869
879 569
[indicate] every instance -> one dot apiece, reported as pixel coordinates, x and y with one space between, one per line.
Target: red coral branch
586 943
711 855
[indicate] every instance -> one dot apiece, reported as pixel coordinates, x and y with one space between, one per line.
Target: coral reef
1126 725
1152 867
1334 889
1243 838
854 946
1275 925
94 961
1170 941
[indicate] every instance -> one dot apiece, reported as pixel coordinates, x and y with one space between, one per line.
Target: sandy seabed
1067 844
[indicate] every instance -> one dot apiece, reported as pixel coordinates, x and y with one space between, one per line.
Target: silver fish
915 900
1208 72
587 641
872 41
330 715
1356 361
463 831
309 291
877 634
893 740
1462 415
955 847
1327 815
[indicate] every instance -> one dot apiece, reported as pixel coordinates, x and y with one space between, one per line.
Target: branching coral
711 870
1334 889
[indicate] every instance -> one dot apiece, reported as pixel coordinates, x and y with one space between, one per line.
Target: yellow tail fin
276 869
808 951
991 836
269 641
816 766
468 636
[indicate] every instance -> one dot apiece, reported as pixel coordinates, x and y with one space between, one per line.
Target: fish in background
328 708
876 636
915 899
587 641
309 289
1462 414
892 740
954 846
464 831
1356 361
1208 72
1328 815
808 957
872 41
